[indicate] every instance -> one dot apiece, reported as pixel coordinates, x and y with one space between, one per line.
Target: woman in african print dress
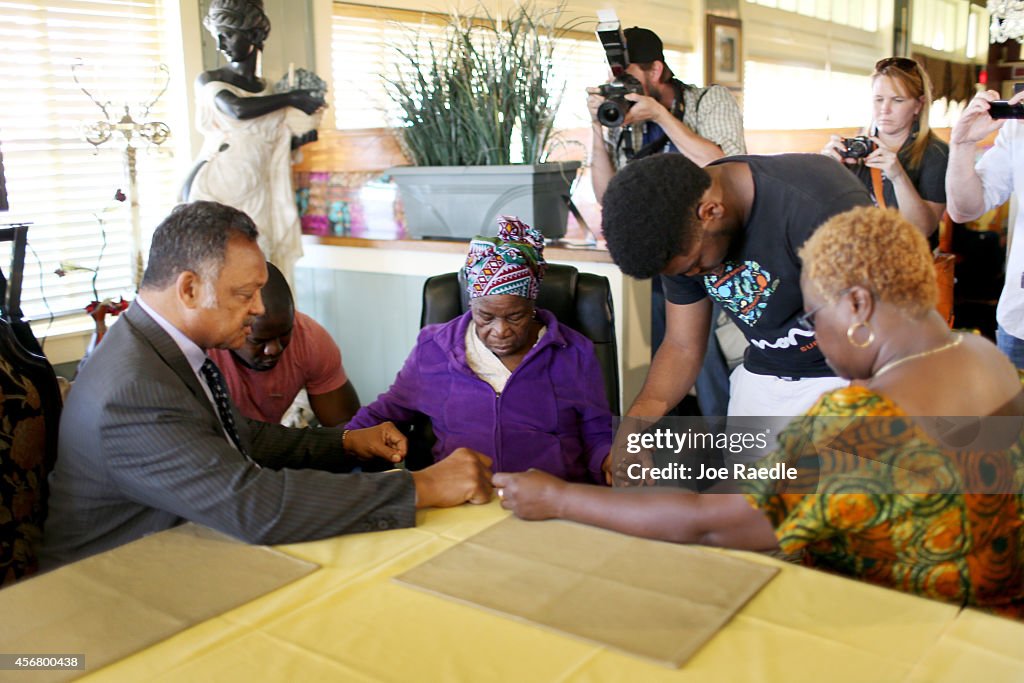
892 487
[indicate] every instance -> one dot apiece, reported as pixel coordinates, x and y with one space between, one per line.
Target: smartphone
1001 109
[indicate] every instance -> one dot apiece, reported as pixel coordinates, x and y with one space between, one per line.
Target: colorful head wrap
511 263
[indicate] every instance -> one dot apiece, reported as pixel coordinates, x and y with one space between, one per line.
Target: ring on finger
501 493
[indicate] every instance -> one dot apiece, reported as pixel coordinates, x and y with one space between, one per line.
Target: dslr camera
611 112
614 108
858 147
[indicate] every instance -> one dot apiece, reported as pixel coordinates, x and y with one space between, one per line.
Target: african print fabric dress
880 499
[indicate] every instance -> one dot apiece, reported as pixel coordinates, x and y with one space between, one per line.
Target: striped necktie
215 380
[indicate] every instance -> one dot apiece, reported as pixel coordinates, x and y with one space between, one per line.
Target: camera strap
678 112
651 147
876 187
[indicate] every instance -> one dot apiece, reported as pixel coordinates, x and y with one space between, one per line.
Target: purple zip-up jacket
553 414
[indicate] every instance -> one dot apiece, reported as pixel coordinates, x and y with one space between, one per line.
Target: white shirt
1001 170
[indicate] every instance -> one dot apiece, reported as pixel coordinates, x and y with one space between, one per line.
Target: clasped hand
532 494
462 477
629 464
380 441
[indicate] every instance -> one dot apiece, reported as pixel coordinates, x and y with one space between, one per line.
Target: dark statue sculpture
246 157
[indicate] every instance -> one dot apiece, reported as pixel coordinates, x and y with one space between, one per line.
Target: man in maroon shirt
286 352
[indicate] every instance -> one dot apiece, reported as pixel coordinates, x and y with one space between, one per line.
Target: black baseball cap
643 45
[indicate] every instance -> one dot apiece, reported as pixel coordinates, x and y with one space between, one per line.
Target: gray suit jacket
141 449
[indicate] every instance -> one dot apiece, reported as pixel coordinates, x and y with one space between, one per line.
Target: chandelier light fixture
1007 20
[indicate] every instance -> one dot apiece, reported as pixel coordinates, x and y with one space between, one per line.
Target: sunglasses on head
902 63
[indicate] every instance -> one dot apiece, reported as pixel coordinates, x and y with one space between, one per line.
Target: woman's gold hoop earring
852 330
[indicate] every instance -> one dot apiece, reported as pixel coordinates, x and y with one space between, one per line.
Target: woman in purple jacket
505 378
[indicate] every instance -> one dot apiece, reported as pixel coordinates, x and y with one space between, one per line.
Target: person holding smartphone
974 189
905 157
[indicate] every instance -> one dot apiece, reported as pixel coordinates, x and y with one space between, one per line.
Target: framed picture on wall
723 52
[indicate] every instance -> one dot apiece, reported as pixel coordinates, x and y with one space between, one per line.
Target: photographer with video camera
645 110
974 189
902 158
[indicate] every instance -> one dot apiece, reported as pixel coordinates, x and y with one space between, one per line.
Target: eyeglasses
806 320
904 64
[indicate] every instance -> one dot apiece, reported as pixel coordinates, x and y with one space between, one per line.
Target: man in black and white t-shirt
729 232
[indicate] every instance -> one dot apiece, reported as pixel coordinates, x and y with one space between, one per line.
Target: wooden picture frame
723 52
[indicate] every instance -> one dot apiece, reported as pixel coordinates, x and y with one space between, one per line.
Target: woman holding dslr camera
902 149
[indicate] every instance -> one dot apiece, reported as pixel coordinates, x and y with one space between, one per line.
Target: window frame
58 182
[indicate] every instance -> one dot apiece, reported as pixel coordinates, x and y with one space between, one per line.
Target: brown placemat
119 602
660 601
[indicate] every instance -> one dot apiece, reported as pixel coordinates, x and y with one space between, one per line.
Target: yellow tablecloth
350 622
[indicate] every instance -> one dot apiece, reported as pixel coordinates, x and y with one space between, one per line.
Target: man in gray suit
148 437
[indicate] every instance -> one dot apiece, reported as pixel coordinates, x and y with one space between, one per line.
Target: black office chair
582 301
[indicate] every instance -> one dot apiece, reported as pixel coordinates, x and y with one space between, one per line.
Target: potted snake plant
475 108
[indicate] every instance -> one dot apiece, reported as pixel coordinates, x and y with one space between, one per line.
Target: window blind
860 14
954 29
814 55
363 42
61 184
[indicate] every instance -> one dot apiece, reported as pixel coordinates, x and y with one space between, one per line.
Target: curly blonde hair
877 249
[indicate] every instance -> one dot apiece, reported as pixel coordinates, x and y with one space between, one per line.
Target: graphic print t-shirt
759 286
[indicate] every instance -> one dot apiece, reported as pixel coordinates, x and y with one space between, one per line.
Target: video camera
613 110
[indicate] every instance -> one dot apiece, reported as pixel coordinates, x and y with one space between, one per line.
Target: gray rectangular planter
458 202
